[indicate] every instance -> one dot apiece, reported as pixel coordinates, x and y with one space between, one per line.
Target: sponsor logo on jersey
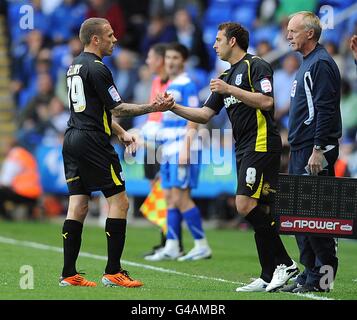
230 100
114 94
266 86
316 225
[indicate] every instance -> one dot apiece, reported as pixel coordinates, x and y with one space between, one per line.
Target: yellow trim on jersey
106 124
249 78
257 193
261 142
262 130
99 62
114 176
72 179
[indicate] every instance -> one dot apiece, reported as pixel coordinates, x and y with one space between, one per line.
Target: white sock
172 245
201 243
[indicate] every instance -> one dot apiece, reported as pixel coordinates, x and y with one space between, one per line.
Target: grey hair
311 21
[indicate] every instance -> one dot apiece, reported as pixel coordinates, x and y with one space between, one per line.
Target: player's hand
353 46
164 102
219 86
129 141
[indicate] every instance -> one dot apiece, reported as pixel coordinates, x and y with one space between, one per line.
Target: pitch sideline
40 246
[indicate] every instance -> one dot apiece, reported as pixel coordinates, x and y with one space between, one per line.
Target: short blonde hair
91 27
310 21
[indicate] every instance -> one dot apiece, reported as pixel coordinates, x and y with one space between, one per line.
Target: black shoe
291 287
309 288
154 250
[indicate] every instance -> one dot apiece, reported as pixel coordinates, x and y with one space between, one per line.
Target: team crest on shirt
238 79
266 85
114 94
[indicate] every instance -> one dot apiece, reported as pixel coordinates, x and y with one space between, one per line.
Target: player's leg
248 208
171 251
151 172
192 216
257 174
77 210
115 230
72 238
307 259
174 220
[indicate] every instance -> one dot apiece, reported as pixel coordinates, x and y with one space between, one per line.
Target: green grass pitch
234 262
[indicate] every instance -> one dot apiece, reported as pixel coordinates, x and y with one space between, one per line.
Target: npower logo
316 225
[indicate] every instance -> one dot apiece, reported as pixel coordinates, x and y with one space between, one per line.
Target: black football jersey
253 129
91 94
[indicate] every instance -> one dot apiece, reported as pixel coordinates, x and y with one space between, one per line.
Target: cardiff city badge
238 79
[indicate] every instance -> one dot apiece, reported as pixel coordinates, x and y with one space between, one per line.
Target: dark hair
179 48
235 30
91 27
159 49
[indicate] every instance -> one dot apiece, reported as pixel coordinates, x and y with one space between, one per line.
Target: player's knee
123 204
80 211
244 205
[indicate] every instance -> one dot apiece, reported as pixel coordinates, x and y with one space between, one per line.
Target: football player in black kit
246 91
90 160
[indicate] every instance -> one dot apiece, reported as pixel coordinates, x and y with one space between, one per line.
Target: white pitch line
42 246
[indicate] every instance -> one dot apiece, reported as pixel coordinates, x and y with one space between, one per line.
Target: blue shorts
179 176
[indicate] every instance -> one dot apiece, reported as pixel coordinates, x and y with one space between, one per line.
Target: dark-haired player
246 92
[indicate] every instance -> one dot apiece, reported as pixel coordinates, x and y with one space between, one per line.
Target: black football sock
266 258
163 239
115 231
72 238
271 250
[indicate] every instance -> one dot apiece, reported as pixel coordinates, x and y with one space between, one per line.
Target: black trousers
315 251
7 194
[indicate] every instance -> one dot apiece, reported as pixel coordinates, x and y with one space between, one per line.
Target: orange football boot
120 279
76 280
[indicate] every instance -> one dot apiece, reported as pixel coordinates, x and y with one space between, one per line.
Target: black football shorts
91 163
257 174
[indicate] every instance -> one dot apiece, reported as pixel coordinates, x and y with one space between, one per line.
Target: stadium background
33 97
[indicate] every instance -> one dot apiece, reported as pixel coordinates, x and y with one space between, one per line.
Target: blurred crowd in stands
41 56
